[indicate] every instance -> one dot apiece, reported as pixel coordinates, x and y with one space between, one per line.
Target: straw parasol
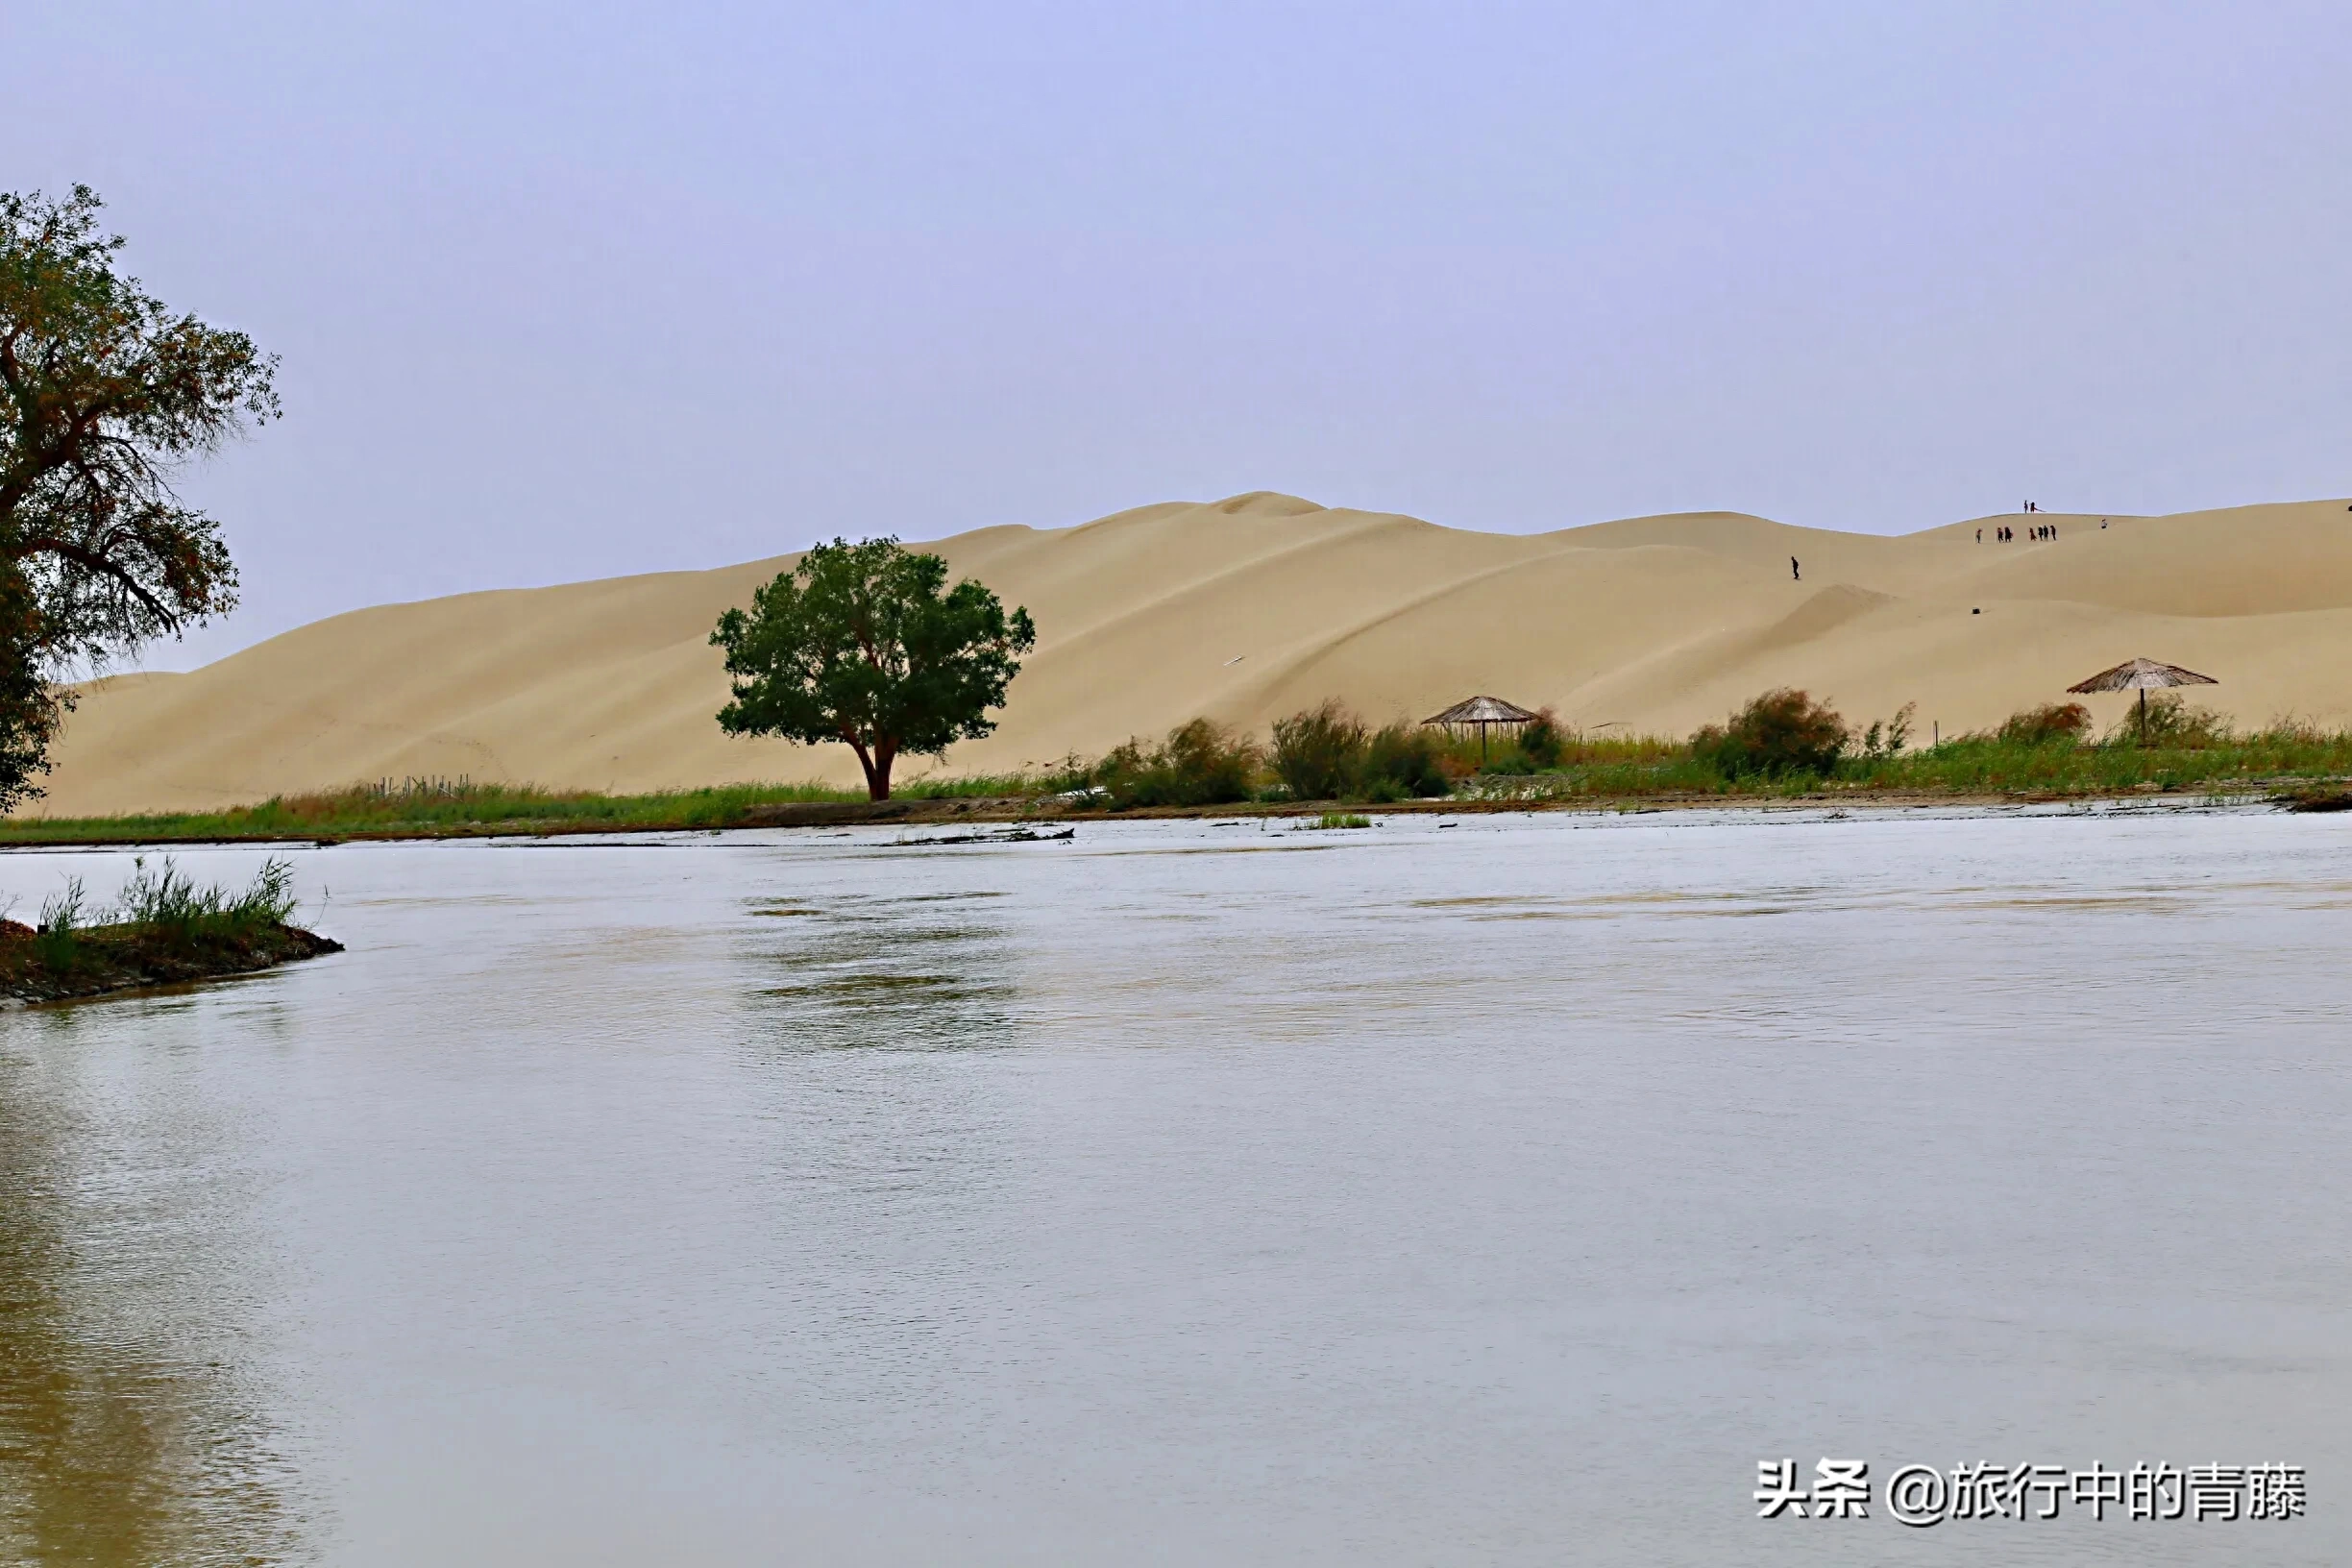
1482 713
2143 675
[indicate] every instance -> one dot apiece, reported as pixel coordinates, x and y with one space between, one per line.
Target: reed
162 927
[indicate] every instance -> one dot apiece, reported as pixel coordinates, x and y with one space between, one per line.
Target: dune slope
1253 606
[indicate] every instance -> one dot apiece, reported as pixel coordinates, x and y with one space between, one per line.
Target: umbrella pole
2144 718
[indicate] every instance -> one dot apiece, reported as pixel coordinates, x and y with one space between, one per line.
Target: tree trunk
878 772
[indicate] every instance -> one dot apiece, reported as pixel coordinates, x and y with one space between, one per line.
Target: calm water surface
1193 1194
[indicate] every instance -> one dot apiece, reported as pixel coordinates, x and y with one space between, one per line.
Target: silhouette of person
1980 536
1795 575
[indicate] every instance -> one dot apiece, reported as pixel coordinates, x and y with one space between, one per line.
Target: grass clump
163 927
1317 753
1540 741
1200 764
1340 818
2171 722
1329 753
2053 724
1402 761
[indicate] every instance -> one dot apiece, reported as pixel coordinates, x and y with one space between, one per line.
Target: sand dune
1255 606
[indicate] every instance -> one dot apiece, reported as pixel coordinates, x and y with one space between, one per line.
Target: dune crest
1253 606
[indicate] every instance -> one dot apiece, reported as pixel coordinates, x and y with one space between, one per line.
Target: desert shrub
1780 732
1540 741
1200 764
1342 819
2045 725
1888 737
2172 723
1401 761
1318 755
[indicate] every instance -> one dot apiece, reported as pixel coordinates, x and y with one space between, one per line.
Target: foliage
1340 818
2171 723
103 393
31 705
1780 733
162 927
1200 764
1401 761
63 914
458 808
1540 741
1887 739
168 904
1319 753
2050 724
865 644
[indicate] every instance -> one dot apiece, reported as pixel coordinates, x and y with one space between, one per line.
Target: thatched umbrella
2143 675
1482 713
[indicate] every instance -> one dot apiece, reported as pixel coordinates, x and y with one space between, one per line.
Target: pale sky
575 289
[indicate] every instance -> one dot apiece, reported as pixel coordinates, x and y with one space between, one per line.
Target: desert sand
1255 606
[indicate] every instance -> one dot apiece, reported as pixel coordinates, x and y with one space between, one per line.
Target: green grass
431 808
162 927
1591 769
1974 764
1342 819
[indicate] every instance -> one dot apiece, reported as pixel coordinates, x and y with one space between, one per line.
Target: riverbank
517 813
41 966
162 929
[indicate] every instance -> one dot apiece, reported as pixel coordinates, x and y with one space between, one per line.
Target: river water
1195 1193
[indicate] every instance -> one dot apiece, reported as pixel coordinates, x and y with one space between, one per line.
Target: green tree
865 644
104 394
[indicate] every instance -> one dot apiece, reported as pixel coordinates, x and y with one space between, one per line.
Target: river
1495 1190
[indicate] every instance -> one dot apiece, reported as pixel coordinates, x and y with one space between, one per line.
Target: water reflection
128 1432
930 971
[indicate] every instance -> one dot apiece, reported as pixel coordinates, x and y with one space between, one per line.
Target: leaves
103 393
866 645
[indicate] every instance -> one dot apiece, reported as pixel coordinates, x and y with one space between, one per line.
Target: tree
859 644
103 393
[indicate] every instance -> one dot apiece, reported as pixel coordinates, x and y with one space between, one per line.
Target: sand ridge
1257 605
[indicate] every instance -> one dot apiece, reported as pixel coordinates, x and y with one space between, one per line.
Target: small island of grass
163 930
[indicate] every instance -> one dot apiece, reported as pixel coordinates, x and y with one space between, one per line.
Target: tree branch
92 561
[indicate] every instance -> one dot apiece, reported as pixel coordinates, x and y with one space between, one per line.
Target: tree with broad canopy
103 393
865 644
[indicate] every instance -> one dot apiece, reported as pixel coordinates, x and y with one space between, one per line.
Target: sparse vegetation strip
1782 746
162 929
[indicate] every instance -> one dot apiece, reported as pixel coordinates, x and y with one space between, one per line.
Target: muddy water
1193 1193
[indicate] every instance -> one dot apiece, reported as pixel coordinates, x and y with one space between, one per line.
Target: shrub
2048 725
1401 763
1888 739
1201 764
1780 732
1541 742
2173 724
1342 819
1319 753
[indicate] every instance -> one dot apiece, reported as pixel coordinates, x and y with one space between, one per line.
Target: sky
577 289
